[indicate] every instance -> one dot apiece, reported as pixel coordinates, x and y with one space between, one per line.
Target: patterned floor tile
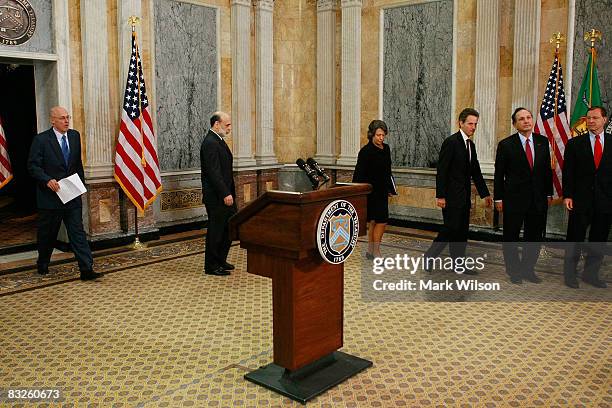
157 332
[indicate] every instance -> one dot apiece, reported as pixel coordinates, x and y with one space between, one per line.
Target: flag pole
592 36
557 38
133 20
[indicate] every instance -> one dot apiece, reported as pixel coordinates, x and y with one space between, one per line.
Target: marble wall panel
186 70
295 100
44 37
595 14
417 82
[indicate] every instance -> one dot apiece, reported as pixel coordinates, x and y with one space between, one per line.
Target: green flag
587 96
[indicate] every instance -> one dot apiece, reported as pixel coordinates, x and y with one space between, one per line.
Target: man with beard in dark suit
587 193
523 191
219 193
56 154
457 167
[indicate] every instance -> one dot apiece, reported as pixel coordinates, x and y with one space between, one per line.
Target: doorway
18 112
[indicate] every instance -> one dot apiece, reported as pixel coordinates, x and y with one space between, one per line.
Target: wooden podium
279 232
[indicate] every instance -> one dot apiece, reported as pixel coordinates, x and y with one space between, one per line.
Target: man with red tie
523 191
587 193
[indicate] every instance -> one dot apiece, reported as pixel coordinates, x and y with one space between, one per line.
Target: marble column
326 82
487 76
241 83
526 54
264 50
62 49
350 117
52 76
98 131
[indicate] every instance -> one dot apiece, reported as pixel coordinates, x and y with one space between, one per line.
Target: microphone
310 172
320 170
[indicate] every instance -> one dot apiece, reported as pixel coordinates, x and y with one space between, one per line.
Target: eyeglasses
68 117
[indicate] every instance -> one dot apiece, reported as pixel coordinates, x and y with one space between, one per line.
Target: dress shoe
90 275
533 279
572 284
598 283
517 280
470 272
43 271
218 272
369 255
228 266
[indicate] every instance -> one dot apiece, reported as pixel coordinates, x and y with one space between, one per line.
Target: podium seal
337 231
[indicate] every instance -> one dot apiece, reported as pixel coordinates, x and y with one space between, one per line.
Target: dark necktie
65 151
528 153
597 151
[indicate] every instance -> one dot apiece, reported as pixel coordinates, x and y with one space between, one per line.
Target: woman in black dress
374 167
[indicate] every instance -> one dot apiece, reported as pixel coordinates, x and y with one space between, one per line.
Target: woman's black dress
374 167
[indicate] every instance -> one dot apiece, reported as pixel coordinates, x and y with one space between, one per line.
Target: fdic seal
337 231
17 22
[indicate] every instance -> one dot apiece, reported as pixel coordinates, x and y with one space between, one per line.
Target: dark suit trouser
454 232
598 235
217 236
49 222
534 225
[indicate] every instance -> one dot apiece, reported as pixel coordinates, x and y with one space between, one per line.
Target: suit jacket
455 172
521 188
46 162
590 188
216 163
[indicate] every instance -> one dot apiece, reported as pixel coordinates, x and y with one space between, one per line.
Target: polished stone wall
186 75
44 37
417 80
595 14
295 38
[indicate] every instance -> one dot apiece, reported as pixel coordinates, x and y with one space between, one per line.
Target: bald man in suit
56 154
218 194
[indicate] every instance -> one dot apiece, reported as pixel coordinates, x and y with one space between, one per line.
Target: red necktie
528 153
597 151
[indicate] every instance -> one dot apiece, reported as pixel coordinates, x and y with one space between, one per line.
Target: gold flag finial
134 21
557 39
592 36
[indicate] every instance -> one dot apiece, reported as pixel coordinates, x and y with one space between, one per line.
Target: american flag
6 172
554 123
136 164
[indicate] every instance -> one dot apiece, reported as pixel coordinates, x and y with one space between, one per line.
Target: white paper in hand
70 188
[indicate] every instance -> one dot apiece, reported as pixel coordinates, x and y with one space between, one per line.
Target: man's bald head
220 123
60 119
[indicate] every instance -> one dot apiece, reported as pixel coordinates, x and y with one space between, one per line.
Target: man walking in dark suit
218 192
587 192
523 191
56 154
457 166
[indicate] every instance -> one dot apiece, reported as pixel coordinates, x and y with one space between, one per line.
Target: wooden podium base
309 381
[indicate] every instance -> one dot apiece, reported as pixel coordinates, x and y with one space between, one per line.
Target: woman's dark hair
374 126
